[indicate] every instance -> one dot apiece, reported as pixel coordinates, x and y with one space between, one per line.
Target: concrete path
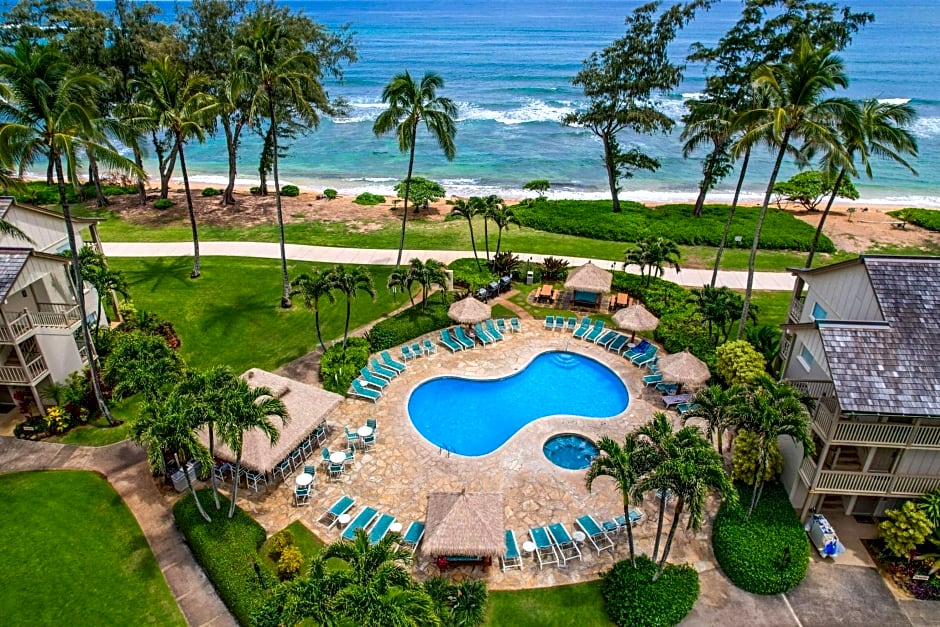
124 465
767 281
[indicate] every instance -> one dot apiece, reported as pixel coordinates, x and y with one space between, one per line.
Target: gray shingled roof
893 369
12 261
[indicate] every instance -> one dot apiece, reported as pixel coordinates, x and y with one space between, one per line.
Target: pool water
474 417
571 451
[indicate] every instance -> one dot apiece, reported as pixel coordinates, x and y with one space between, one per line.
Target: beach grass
74 555
578 605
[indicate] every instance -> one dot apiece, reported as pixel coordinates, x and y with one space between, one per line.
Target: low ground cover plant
407 325
632 598
208 192
338 370
290 190
468 275
40 193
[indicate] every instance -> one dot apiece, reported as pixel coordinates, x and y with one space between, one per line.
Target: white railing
50 319
871 433
13 374
926 437
36 368
823 420
914 486
796 309
849 482
815 388
69 313
807 470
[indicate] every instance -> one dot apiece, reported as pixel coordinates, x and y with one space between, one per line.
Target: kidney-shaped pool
476 416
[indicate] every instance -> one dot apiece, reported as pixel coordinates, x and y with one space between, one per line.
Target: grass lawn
98 433
579 605
231 315
73 554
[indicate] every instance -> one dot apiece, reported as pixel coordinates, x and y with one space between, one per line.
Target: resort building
863 340
40 334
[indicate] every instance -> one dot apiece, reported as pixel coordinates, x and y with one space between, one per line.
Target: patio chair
567 548
595 332
450 342
583 328
648 358
549 323
595 533
639 349
220 470
416 350
406 352
391 363
370 422
284 469
412 537
296 458
482 335
382 371
605 339
559 323
254 480
511 558
684 408
492 330
668 388
350 455
325 453
361 520
652 379
319 434
380 528
368 442
336 471
306 448
502 326
617 345
572 323
463 338
351 437
311 470
371 379
515 325
301 496
360 390
544 547
429 346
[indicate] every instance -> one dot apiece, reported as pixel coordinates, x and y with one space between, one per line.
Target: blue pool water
571 451
475 417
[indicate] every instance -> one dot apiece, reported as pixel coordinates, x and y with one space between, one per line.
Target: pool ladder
443 447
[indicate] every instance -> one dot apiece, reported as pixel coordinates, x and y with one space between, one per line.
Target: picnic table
676 399
620 300
545 292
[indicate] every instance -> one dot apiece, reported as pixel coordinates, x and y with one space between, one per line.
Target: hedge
407 325
925 218
39 193
767 554
466 273
595 219
633 598
337 372
227 550
162 203
291 191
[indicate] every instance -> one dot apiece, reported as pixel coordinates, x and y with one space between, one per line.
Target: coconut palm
350 282
172 99
502 217
400 280
409 104
467 210
798 110
708 124
653 253
484 207
312 286
715 406
426 274
107 282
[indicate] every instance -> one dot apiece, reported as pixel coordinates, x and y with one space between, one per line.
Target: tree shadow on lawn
158 270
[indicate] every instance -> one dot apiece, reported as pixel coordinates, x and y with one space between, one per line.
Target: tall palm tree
484 207
312 286
660 438
798 110
502 217
400 280
426 274
653 253
708 124
107 282
467 210
715 406
144 364
48 112
170 98
351 281
409 104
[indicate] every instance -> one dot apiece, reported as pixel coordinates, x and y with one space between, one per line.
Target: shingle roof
892 368
12 261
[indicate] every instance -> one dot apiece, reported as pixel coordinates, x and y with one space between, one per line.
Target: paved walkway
690 277
124 465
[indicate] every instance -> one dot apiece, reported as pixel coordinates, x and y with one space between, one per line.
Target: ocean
509 67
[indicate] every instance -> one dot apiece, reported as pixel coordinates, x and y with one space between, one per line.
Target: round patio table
395 527
338 457
364 432
579 536
528 546
304 479
343 519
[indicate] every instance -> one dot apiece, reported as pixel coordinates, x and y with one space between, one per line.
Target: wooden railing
807 470
824 420
814 388
49 315
881 434
796 309
69 313
23 376
874 484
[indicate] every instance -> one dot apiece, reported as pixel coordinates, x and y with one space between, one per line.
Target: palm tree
502 216
624 464
484 207
426 274
312 286
653 253
715 406
467 210
107 282
350 282
410 103
141 363
170 98
796 88
708 124
49 112
400 280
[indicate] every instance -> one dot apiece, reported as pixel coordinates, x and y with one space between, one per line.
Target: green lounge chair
338 508
416 350
572 323
380 528
382 371
515 325
606 339
544 547
482 335
463 338
391 363
559 323
360 521
429 346
371 379
567 548
412 537
511 558
450 342
595 533
595 332
582 328
617 345
502 326
360 390
492 330
549 323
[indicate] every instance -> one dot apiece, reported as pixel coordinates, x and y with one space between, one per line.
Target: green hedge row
227 550
368 199
39 193
468 275
633 598
925 218
595 219
766 554
407 325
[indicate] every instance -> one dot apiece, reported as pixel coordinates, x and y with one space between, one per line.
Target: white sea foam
531 110
695 95
894 101
926 127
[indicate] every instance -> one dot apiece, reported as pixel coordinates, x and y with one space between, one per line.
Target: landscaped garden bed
902 572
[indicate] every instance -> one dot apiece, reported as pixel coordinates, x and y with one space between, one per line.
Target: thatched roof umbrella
636 317
589 278
465 523
469 310
684 368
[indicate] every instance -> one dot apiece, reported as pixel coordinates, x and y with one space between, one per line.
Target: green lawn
98 433
73 554
579 605
231 315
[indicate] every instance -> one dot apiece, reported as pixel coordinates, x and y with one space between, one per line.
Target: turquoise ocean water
509 66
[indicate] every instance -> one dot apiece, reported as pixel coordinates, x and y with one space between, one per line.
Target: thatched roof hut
465 523
684 368
469 310
589 278
307 407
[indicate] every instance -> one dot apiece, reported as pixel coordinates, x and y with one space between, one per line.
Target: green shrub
290 191
227 550
337 373
744 459
466 273
407 325
766 554
461 604
39 193
254 190
330 193
211 191
925 218
290 563
595 219
554 269
162 203
539 186
278 542
739 362
632 597
369 199
905 528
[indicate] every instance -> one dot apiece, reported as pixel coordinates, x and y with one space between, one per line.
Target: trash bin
529 277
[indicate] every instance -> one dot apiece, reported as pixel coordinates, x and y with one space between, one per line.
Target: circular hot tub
570 451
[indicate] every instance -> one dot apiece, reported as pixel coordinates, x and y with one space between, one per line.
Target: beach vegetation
410 103
209 192
746 457
407 325
107 282
714 405
467 209
338 367
539 186
505 263
905 529
42 193
652 254
502 216
633 597
468 275
421 191
427 274
349 282
924 218
553 269
369 199
579 604
739 362
140 363
163 203
720 307
330 194
808 188
291 191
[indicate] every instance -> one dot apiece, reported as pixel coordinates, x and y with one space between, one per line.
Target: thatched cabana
469 310
589 282
635 318
465 525
307 407
684 368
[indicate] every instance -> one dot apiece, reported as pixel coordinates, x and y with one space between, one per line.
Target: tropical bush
162 203
290 562
368 199
466 274
595 219
407 325
925 218
211 191
505 263
460 604
554 269
254 190
290 191
739 362
905 528
767 553
745 457
539 186
41 193
278 542
632 597
330 193
337 371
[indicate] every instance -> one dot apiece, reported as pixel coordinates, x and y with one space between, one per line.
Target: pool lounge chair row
370 520
377 375
487 332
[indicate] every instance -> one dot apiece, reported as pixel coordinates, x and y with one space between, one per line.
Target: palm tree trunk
192 212
680 505
758 482
238 470
141 184
80 295
659 526
734 206
346 328
231 141
822 219
626 516
189 484
98 317
100 199
473 243
760 225
611 174
316 321
404 212
486 237
499 239
215 483
285 295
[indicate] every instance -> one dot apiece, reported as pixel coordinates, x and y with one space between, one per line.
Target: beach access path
689 277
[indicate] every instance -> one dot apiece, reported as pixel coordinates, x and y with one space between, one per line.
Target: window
818 312
806 358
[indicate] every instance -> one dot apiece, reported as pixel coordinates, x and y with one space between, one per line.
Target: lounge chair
560 322
412 537
429 346
549 322
511 558
582 328
639 349
376 382
406 352
515 325
463 338
636 517
382 371
482 335
380 528
545 551
684 408
493 331
567 548
502 326
361 520
652 379
617 345
607 338
450 342
595 332
360 390
416 350
595 533
668 388
572 323
678 399
340 507
397 366
648 358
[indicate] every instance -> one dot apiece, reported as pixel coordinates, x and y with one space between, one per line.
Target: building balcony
48 315
853 482
17 375
796 309
879 434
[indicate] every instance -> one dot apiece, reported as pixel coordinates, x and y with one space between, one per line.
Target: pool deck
398 474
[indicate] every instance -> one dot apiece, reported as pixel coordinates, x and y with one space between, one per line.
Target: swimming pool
476 416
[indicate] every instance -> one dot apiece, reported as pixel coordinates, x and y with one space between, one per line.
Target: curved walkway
124 465
690 277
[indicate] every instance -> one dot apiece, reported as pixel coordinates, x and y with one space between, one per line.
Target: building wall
46 231
792 458
818 367
845 294
918 462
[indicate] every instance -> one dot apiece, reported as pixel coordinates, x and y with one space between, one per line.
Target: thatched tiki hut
589 284
464 527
